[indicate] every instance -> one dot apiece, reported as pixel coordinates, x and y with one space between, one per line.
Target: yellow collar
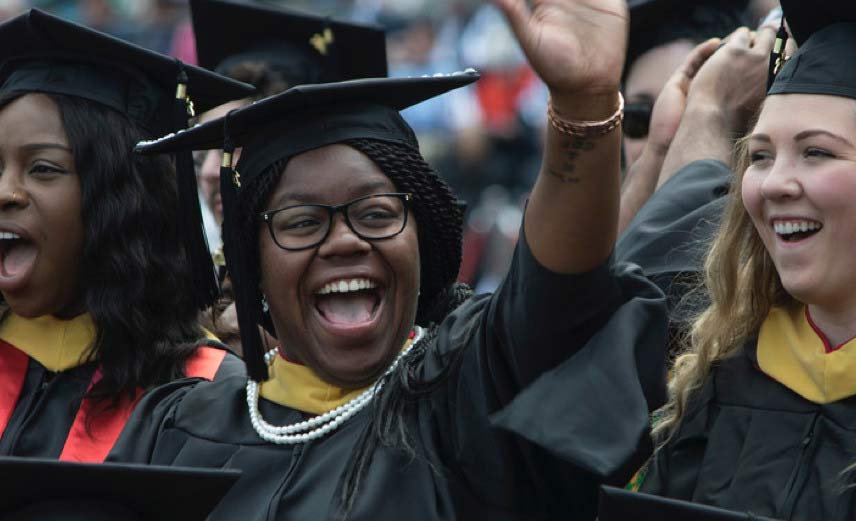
795 354
296 386
57 344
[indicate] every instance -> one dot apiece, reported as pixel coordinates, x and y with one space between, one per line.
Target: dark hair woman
394 394
99 298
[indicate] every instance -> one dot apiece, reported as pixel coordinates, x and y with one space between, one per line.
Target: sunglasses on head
637 117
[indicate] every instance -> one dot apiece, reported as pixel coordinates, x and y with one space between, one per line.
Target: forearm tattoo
571 148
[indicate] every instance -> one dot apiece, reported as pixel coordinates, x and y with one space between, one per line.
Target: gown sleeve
153 414
669 236
555 384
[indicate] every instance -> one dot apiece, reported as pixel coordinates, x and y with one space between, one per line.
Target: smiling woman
762 416
99 296
394 393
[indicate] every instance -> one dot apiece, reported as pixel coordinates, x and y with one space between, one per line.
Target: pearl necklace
320 425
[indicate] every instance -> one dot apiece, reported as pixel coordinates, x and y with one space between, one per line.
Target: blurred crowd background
485 140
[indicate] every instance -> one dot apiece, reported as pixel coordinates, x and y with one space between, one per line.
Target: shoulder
213 360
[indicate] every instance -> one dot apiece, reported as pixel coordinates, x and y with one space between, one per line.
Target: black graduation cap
304 48
617 504
298 120
49 490
826 33
44 53
657 22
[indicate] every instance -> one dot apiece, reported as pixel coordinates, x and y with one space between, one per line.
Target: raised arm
577 47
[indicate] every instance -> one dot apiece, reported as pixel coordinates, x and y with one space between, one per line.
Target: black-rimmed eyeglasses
303 226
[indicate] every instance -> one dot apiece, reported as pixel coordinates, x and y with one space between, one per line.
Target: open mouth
17 255
348 302
796 230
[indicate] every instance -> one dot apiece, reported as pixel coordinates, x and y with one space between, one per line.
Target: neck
838 326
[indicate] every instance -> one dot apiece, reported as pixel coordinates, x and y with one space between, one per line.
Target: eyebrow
764 138
805 134
43 146
310 198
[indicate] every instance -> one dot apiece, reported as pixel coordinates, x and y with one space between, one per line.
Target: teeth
789 227
9 235
345 286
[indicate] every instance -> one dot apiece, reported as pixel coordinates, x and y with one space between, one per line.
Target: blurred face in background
645 79
208 163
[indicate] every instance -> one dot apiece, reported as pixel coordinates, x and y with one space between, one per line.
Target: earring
265 306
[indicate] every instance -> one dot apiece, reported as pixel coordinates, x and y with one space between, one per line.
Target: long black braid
440 234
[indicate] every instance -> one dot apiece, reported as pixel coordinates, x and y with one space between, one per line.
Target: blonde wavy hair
742 284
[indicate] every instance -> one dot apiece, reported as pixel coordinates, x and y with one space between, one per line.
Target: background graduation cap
657 22
301 119
302 48
825 31
44 53
48 490
617 504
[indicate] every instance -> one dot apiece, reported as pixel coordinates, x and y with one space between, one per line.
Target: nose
210 169
13 193
342 241
781 182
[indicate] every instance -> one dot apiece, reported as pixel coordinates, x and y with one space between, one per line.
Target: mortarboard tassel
777 56
245 282
206 290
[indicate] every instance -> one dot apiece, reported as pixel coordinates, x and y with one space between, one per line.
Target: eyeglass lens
373 217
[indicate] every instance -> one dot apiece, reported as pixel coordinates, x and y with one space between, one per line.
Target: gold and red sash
89 441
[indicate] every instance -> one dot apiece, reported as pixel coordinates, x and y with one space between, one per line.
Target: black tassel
777 55
245 279
206 290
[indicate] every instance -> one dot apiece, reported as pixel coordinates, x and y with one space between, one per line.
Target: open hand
575 46
734 79
672 101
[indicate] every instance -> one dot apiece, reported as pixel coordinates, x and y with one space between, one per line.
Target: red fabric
13 372
498 93
826 345
204 363
92 444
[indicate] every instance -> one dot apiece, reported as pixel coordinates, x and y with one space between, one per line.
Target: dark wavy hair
439 216
135 278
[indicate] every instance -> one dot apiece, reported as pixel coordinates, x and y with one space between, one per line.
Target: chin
355 375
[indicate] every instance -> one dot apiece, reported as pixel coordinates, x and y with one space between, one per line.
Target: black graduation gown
551 398
47 412
670 235
749 443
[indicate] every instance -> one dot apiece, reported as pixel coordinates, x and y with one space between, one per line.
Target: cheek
750 192
66 224
272 265
833 196
409 253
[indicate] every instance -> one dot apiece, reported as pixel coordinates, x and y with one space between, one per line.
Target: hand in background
726 92
666 117
672 101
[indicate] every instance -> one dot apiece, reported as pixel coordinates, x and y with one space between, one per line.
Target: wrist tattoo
572 148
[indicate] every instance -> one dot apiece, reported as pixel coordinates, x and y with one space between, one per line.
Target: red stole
89 443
